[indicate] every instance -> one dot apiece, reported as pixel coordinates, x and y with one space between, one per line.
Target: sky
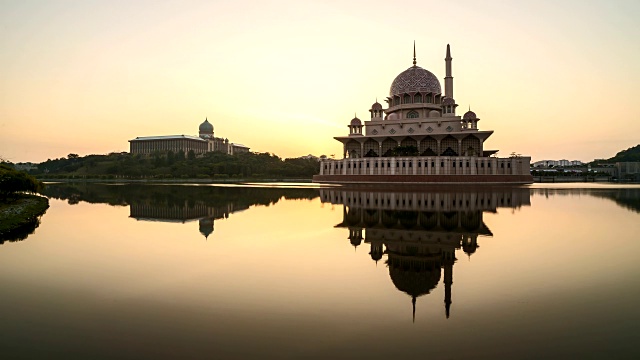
554 79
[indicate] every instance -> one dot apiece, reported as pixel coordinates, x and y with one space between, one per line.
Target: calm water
135 271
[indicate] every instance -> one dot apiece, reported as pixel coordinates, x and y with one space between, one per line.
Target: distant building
554 163
205 142
628 170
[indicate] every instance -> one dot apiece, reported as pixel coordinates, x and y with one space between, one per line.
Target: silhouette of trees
13 181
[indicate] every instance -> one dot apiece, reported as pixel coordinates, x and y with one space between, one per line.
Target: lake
301 271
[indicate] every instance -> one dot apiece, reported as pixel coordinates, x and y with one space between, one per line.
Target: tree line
178 164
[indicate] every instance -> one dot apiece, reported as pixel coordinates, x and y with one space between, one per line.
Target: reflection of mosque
419 232
185 212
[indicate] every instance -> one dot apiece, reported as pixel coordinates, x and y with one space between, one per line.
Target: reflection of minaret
449 259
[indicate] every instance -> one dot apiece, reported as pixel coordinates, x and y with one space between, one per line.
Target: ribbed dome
469 115
355 122
415 79
376 106
206 126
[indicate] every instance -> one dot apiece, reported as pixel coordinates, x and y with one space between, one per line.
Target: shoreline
21 215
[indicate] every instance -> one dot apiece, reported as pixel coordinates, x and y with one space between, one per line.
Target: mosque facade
419 138
204 142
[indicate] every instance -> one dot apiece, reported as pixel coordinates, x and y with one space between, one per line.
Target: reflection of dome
356 122
376 106
206 227
206 126
411 279
415 79
469 115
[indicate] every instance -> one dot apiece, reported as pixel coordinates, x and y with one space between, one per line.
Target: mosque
419 138
205 142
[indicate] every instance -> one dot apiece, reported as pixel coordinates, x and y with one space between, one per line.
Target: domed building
204 142
419 138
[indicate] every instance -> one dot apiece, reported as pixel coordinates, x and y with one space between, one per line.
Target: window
406 99
412 114
417 98
441 163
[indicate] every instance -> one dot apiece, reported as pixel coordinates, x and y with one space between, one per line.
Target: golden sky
553 79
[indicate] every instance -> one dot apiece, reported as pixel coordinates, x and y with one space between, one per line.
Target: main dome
415 79
206 126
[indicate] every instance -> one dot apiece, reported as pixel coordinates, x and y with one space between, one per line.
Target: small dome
415 79
434 113
376 106
470 115
206 126
356 122
448 101
392 116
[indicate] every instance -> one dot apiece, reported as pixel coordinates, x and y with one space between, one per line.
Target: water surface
138 271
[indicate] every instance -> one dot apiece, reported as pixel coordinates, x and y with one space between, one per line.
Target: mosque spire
448 79
414 52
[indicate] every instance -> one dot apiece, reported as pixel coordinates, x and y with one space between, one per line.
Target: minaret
448 79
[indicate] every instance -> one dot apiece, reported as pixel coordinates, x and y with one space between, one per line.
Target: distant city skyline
553 79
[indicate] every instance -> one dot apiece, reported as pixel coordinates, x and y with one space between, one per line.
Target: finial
414 53
448 52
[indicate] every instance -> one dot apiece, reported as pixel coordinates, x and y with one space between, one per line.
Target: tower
448 79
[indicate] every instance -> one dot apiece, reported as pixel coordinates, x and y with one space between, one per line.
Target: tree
13 181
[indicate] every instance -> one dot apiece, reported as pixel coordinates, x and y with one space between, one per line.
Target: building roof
239 145
415 79
167 137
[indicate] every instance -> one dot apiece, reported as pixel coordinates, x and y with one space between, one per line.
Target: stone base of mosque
424 179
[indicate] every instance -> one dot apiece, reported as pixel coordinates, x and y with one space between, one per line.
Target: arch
353 149
412 114
449 220
450 146
396 100
406 99
429 98
408 141
471 146
428 146
371 148
417 98
387 146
